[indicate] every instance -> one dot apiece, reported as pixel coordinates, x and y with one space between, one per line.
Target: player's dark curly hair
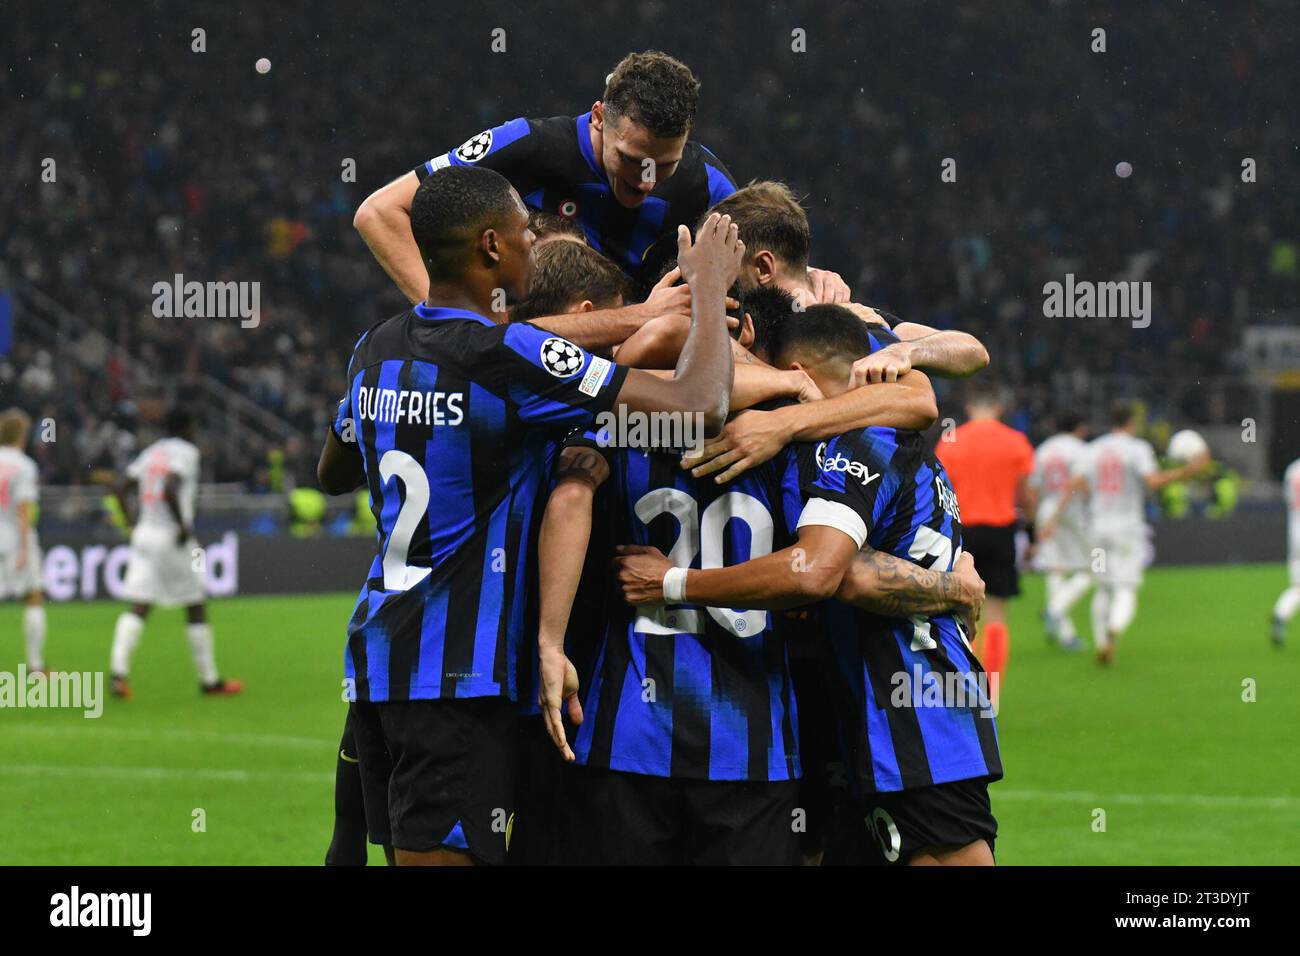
655 90
451 209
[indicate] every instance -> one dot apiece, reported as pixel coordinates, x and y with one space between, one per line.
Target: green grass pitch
1185 771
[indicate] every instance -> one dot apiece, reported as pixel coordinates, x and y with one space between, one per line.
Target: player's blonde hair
14 426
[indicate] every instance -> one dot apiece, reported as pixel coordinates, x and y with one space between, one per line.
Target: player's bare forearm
947 353
384 221
341 468
601 329
563 539
908 403
894 587
754 384
808 571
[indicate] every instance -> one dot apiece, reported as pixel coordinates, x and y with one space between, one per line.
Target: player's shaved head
14 426
769 217
828 338
450 212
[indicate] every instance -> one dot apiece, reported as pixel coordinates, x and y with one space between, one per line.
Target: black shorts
887 829
994 549
538 795
613 818
439 773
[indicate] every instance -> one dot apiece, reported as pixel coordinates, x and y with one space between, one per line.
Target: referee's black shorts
994 549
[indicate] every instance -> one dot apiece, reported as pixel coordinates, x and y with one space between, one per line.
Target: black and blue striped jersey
457 420
552 165
683 690
913 703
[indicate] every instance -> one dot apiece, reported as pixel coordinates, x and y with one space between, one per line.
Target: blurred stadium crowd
205 168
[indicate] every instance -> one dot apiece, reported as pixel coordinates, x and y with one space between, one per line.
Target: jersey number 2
398 575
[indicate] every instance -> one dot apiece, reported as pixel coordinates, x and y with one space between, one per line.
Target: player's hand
558 691
715 253
672 297
971 587
669 297
887 365
1045 530
640 571
21 561
805 389
748 439
866 314
827 287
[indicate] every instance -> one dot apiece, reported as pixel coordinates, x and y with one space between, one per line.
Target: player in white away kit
1062 553
1289 599
162 569
1117 471
20 551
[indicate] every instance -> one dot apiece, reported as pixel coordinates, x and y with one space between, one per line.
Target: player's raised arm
384 221
702 382
947 353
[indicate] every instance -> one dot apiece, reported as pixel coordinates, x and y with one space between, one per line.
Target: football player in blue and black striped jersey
449 419
687 735
625 171
916 722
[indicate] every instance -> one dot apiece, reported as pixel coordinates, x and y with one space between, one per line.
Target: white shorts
1123 559
1066 550
16 582
160 571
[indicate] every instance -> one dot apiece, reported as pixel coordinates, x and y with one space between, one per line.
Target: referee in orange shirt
989 464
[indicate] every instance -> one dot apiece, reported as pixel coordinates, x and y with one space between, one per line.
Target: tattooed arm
883 584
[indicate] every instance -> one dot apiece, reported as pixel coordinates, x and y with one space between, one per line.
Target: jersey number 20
703 535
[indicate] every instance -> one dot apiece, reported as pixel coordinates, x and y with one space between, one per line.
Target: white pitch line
184 736
169 773
1101 799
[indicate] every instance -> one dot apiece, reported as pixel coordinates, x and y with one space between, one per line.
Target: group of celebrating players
577 647
576 644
